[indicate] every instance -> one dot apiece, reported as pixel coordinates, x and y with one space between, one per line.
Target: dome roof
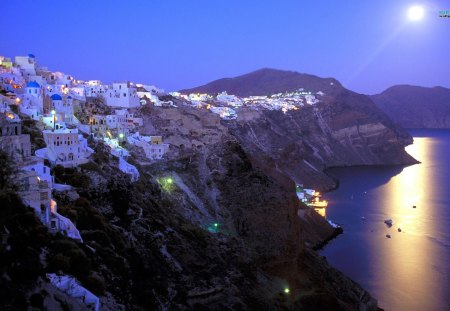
69 97
31 56
33 84
56 97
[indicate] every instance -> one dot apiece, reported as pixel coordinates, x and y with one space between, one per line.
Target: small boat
414 206
388 222
399 230
388 236
363 218
317 203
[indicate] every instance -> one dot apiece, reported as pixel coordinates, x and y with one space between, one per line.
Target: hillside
216 223
415 106
266 81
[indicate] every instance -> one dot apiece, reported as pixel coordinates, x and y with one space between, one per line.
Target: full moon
416 13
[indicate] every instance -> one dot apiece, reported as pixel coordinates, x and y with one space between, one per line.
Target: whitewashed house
36 193
65 147
27 64
122 95
153 146
95 90
98 124
64 107
32 102
12 141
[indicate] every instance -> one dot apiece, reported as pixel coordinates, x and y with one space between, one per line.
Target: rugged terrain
216 225
344 129
415 106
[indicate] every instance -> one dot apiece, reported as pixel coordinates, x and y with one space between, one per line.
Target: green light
121 135
287 290
169 180
216 224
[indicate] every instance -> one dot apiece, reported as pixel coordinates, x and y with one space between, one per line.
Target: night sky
367 45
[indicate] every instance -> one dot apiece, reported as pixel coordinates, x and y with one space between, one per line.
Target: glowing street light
286 290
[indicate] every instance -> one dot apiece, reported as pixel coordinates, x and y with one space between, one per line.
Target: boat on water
316 203
388 222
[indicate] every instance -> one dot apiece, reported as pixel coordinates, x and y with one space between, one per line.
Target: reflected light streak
399 261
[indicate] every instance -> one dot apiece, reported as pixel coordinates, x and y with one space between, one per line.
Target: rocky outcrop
416 107
342 131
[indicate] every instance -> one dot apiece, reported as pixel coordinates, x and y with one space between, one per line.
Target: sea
405 266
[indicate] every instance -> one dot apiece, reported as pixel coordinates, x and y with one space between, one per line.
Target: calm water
410 271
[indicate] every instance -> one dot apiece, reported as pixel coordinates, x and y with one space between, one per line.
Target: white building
78 92
35 164
32 102
12 141
65 146
64 107
232 100
153 146
199 97
122 95
95 90
27 64
36 193
225 113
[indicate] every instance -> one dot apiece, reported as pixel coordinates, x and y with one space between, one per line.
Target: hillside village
71 112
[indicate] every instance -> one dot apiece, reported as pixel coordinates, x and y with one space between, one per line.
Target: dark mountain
415 106
266 81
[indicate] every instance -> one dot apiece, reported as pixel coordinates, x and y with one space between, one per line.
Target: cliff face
416 107
215 225
343 130
224 234
254 205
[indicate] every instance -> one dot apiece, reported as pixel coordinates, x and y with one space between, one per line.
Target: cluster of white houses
226 105
35 181
53 99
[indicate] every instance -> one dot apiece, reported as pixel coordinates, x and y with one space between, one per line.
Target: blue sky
367 45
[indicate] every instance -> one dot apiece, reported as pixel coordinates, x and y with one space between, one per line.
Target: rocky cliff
416 107
343 130
216 224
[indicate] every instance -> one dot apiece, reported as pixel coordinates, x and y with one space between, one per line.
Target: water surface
410 270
